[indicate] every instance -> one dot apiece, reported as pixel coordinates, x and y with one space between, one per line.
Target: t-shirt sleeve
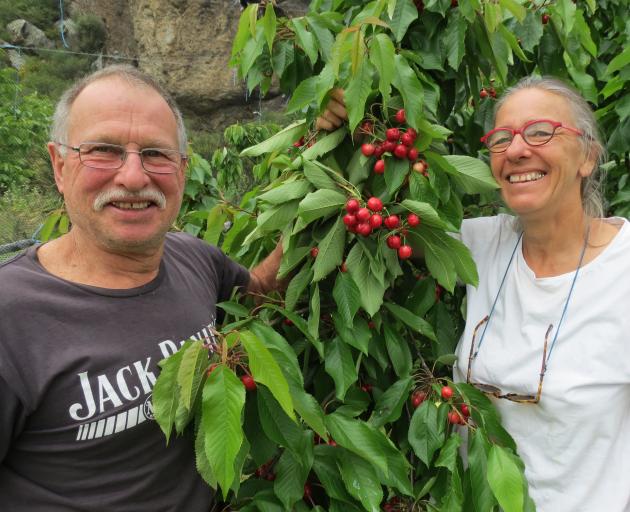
233 276
12 417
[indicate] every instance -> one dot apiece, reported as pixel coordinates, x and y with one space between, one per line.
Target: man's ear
57 161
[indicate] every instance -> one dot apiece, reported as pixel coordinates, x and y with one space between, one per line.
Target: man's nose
132 175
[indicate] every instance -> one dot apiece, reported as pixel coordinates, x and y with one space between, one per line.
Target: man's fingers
337 94
337 108
328 121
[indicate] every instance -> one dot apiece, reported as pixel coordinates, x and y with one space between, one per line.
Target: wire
61 24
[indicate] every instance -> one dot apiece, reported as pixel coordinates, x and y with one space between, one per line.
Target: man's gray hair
584 119
61 117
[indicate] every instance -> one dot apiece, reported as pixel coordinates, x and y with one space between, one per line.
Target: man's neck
74 259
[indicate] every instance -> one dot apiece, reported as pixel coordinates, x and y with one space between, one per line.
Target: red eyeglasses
534 133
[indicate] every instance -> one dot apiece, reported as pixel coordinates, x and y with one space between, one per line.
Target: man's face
115 112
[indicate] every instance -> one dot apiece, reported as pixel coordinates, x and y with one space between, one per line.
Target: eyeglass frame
495 391
519 131
184 157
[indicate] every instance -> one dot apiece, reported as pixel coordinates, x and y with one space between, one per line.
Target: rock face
186 45
23 33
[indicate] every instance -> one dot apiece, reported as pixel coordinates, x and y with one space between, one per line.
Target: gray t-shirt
77 367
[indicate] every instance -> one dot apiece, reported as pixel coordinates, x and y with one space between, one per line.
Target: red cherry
400 151
375 204
404 252
363 214
392 221
298 143
417 398
364 228
367 126
379 167
447 392
394 242
376 220
438 292
413 220
465 410
352 205
307 491
249 382
332 442
389 146
314 252
407 139
483 93
454 3
344 267
400 116
371 325
349 220
211 369
270 476
378 151
368 149
392 134
288 321
367 388
412 155
545 18
420 167
412 132
454 418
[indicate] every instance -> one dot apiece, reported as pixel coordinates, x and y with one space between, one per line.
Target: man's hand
335 113
264 277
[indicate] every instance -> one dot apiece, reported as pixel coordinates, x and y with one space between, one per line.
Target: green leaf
243 31
404 14
327 471
266 370
201 460
382 53
321 203
505 479
314 311
478 449
347 297
410 88
305 39
251 52
398 350
428 215
448 454
222 405
454 39
357 335
287 191
269 25
360 438
361 481
276 218
214 224
515 8
390 404
372 289
290 479
278 142
234 308
396 170
426 434
49 226
408 318
191 371
297 285
324 145
619 62
324 36
357 92
276 424
339 364
318 177
166 391
300 323
331 248
473 175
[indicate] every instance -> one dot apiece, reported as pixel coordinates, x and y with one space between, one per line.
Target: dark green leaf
340 366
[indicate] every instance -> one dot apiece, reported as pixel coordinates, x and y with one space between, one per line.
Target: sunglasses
497 392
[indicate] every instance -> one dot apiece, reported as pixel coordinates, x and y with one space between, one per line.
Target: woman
553 294
550 318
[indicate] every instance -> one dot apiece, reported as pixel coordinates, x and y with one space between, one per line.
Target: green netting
7 251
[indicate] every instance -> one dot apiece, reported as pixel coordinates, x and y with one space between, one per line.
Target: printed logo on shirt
127 384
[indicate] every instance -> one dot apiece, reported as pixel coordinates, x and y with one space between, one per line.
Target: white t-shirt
576 442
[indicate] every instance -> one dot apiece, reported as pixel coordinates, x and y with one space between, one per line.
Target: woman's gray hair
584 119
61 117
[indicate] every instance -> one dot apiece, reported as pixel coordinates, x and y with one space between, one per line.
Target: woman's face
540 182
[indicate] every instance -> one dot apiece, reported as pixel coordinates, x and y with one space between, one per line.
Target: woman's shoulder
485 229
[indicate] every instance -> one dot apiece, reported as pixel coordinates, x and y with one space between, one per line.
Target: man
85 318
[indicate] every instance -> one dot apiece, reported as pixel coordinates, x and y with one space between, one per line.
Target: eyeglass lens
112 156
535 134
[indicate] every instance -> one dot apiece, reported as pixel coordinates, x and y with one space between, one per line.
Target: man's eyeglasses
100 155
534 133
495 391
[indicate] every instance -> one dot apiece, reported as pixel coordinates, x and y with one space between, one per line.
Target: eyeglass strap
566 303
496 299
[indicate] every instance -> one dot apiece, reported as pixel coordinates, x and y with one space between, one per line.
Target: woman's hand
335 113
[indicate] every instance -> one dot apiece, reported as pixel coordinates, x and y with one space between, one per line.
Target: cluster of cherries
454 416
364 220
398 143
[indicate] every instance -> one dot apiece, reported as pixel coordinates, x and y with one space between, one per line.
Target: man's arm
264 277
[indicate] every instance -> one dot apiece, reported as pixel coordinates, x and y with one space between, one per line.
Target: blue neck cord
566 303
